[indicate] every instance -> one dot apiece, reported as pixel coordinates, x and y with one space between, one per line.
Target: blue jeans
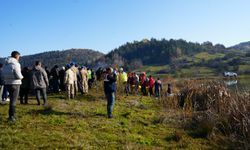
111 101
5 93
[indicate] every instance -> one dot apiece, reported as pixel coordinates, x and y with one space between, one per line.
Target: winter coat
123 77
151 82
110 83
76 72
84 74
69 76
26 79
12 72
39 78
158 85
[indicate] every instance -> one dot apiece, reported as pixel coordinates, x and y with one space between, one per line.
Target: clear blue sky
33 26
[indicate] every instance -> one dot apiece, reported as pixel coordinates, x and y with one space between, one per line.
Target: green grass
82 124
196 72
244 67
153 69
206 56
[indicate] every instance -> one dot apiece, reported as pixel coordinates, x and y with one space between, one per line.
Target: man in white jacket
12 79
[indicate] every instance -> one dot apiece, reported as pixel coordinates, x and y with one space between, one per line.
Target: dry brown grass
213 111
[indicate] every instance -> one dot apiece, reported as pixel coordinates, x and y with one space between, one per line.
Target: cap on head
68 66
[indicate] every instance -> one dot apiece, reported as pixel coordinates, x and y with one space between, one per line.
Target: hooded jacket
12 72
39 78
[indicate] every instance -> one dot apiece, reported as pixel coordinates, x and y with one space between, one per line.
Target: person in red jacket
151 85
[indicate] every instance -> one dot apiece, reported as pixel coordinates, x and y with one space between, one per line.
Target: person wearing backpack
12 80
39 82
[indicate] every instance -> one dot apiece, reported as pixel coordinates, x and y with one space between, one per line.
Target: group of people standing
15 82
140 83
71 79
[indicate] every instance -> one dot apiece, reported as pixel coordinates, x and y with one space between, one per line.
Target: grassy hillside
138 123
82 124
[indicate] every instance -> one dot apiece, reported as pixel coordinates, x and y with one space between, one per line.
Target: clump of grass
175 136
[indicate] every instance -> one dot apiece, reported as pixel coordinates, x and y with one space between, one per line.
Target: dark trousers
13 93
1 92
151 91
55 85
38 95
24 92
110 102
157 92
5 93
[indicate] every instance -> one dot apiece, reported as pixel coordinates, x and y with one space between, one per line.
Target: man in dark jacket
12 79
55 78
40 82
24 88
110 90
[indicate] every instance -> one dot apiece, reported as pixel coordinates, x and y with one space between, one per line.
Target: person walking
40 82
13 79
110 90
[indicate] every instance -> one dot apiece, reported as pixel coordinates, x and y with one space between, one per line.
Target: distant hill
178 57
245 46
158 52
60 58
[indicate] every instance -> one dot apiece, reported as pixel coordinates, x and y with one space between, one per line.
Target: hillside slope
60 58
244 46
179 56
